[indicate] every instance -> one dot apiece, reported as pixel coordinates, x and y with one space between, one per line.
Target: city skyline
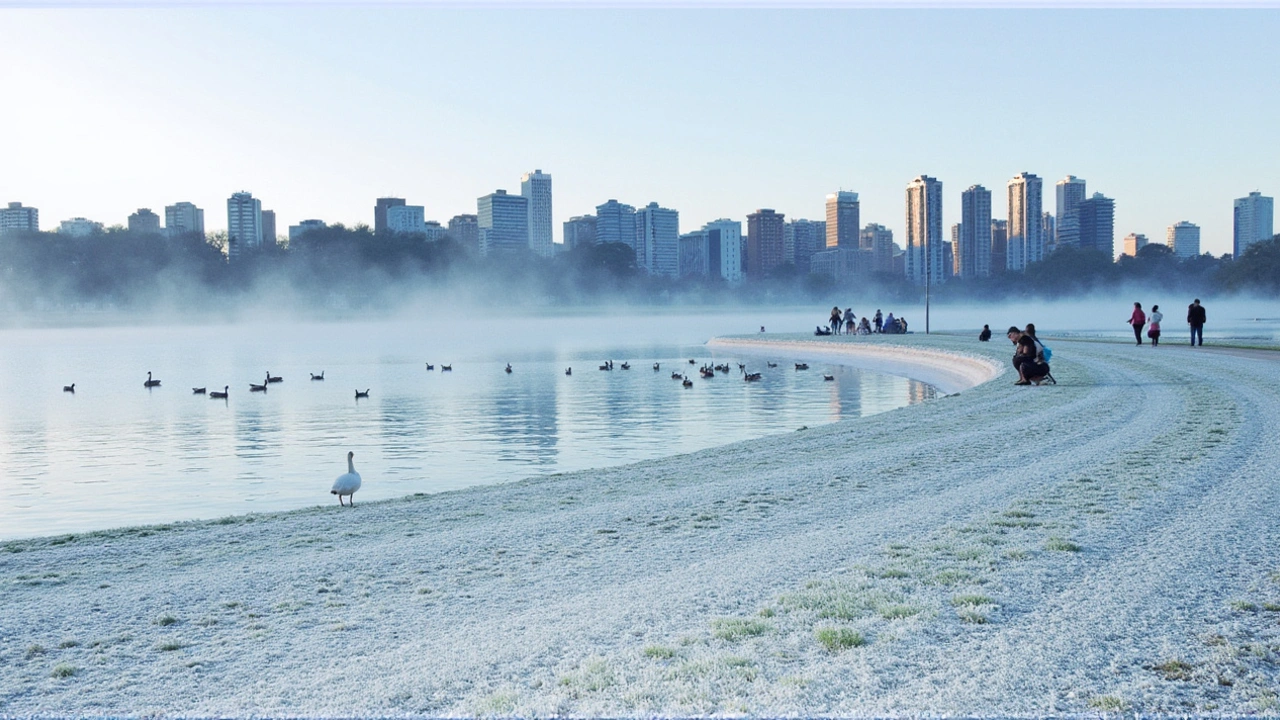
343 130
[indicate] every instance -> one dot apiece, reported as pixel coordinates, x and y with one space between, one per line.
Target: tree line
354 268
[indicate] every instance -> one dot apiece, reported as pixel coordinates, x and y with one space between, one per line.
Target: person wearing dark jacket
985 335
1195 318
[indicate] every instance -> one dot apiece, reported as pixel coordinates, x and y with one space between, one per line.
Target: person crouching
1026 358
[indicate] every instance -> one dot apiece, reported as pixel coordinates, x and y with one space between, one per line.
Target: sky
318 110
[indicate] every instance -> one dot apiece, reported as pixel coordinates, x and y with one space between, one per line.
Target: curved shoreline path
1106 544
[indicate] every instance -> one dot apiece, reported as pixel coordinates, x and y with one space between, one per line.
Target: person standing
849 322
1137 320
879 321
1153 332
1196 318
835 320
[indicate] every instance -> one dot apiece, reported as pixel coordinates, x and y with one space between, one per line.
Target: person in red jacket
1137 320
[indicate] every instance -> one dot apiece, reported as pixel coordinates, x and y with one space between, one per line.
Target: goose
508 368
828 378
802 366
772 364
150 383
317 377
275 379
742 366
750 377
625 366
692 361
197 391
69 388
687 383
606 366
568 371
215 395
656 367
257 388
347 483
430 366
364 394
677 376
707 374
446 368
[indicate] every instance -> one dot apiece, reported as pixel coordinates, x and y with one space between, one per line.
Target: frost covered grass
1103 546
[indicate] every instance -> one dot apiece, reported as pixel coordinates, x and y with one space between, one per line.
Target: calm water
115 453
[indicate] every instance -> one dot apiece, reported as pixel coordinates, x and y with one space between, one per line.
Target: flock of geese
707 372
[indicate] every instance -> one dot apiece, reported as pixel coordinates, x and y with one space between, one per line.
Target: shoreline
898 564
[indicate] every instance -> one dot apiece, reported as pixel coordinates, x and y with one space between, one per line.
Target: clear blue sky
715 113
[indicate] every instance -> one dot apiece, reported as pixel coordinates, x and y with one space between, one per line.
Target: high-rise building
269 227
580 230
842 219
79 227
302 228
16 218
406 219
1026 244
465 230
801 239
764 242
1048 231
433 231
658 232
973 251
953 252
1097 217
1133 242
840 262
616 223
925 253
1252 221
1071 193
503 221
694 256
380 212
144 221
182 218
724 249
244 224
1183 239
999 246
536 186
879 240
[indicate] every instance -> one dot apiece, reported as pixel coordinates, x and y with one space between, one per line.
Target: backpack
1045 352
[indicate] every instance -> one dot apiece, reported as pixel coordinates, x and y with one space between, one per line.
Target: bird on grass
347 483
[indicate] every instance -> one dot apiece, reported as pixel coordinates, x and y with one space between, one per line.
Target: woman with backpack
1137 320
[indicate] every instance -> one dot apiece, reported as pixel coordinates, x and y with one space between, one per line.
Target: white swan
348 483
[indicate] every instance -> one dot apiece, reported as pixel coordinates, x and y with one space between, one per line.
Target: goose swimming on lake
677 376
197 391
772 364
687 383
275 379
69 388
364 394
656 367
215 395
626 366
508 368
150 383
446 368
828 378
317 377
347 483
802 366
430 366
257 388
750 377
568 371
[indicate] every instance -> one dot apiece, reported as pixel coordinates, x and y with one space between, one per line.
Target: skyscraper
1133 242
1026 244
465 230
304 227
580 230
1048 231
724 249
999 246
269 227
380 212
658 231
1071 193
1184 239
182 218
973 254
244 224
503 221
144 221
694 255
879 240
536 186
764 242
616 223
406 219
801 239
842 219
1252 221
925 254
16 218
1097 217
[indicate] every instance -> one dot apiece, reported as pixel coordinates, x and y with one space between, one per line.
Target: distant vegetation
340 268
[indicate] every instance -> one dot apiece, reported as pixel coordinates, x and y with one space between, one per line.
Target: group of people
1030 356
1196 317
848 322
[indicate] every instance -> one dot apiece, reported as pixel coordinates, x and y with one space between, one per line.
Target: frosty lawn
1105 545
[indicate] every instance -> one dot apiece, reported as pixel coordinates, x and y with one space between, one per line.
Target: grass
971 600
837 639
1175 669
68 643
734 629
1057 543
659 652
1244 606
165 620
971 616
897 612
169 645
34 650
63 670
1108 703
